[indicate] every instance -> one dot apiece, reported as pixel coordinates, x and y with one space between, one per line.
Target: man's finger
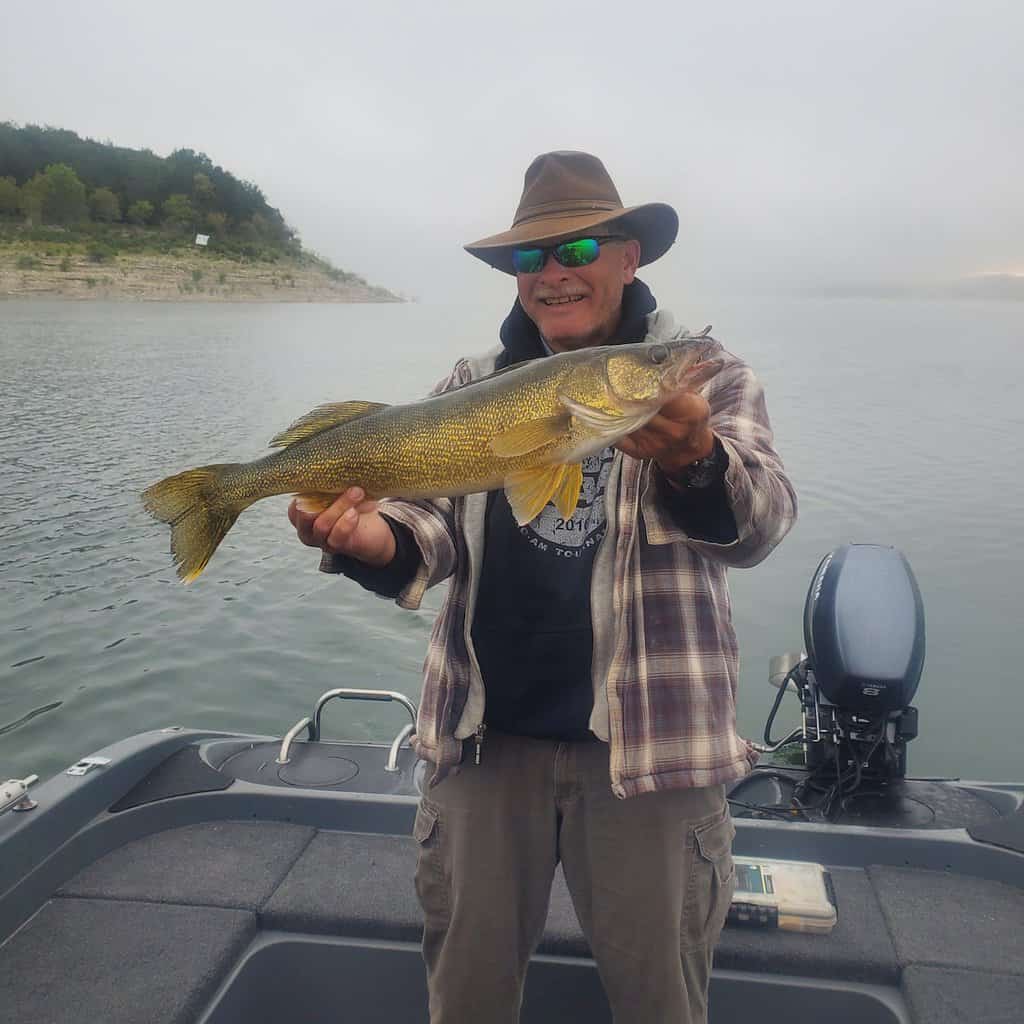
686 406
667 428
328 519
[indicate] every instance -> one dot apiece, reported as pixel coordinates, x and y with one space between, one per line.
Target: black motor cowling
864 629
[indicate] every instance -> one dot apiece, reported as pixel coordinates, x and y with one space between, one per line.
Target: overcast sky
804 145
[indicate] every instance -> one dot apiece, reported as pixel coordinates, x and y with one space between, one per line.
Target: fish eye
658 353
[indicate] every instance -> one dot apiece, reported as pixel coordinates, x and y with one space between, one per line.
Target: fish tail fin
194 505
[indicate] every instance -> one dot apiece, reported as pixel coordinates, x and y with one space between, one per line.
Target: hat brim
653 225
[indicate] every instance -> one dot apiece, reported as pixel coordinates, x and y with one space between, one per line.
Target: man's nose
552 269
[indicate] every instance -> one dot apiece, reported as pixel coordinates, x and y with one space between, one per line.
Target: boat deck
193 897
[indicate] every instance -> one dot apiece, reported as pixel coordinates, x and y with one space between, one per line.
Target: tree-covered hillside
53 177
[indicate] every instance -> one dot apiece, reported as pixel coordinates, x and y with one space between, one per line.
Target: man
579 690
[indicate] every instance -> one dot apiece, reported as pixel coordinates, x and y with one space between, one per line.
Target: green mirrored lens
577 253
527 261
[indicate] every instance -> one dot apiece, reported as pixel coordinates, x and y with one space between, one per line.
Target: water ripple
112 397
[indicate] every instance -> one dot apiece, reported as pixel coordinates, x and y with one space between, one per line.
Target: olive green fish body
526 429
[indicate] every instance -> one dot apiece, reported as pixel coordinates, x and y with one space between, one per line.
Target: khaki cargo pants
651 879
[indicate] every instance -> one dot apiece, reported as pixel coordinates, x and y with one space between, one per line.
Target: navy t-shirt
532 631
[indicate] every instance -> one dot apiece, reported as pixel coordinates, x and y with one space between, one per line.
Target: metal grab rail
285 756
358 694
313 725
396 746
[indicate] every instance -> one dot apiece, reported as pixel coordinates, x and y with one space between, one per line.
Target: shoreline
52 272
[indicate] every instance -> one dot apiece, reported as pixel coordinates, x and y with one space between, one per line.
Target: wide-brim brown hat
566 193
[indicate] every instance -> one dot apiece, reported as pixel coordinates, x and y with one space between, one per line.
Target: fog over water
807 145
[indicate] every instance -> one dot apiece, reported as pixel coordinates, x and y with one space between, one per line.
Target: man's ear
630 259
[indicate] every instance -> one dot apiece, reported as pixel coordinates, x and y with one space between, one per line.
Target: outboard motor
864 637
864 629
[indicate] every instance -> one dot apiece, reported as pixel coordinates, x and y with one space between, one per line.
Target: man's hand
677 436
351 526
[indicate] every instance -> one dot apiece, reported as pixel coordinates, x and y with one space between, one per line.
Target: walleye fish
526 428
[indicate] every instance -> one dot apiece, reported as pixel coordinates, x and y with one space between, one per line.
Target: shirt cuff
387 580
703 513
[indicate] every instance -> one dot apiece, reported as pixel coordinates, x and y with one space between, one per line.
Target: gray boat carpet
352 884
362 885
938 995
952 920
858 948
959 932
181 773
92 961
216 864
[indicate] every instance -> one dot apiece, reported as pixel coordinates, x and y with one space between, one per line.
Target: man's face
594 295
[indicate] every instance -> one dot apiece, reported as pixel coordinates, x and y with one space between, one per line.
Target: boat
189 875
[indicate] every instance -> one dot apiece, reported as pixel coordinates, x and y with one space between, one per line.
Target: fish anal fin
529 490
323 417
528 437
314 502
568 494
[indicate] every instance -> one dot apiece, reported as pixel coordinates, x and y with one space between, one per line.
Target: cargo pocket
431 876
711 883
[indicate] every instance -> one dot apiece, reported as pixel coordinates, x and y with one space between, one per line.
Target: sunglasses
580 252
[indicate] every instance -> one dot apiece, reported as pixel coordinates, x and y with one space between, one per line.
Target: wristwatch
706 471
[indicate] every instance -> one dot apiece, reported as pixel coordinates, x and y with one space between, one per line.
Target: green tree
64 199
10 197
216 222
33 194
204 194
105 205
255 229
141 211
177 210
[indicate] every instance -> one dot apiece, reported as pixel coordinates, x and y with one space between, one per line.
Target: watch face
704 471
699 474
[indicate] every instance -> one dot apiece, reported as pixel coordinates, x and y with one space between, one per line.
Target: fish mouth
693 369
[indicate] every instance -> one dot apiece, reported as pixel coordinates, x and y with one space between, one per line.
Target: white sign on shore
202 239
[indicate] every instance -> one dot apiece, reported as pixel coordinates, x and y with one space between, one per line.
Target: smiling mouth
562 300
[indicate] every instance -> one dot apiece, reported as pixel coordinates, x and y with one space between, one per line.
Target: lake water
899 422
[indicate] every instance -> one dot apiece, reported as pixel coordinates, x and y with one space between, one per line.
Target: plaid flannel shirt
666 662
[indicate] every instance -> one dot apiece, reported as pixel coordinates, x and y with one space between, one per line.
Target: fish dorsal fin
488 376
529 490
323 417
529 436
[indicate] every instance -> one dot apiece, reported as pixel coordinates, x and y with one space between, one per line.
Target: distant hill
184 189
104 203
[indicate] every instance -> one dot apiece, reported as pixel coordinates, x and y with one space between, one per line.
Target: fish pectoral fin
314 502
528 437
323 417
601 422
529 490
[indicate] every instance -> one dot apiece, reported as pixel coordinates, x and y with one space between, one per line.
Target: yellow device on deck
788 894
